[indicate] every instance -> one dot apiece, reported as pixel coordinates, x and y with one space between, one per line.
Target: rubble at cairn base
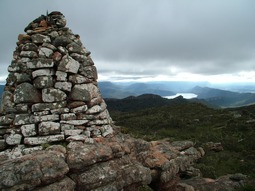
56 132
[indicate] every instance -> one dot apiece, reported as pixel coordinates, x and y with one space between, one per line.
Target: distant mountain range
223 98
152 93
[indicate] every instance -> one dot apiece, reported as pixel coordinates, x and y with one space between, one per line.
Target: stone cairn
51 92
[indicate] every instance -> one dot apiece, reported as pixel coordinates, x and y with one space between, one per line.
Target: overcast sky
149 39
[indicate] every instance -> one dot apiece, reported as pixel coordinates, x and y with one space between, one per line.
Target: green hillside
233 128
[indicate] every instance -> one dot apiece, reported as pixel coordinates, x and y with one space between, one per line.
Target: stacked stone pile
51 92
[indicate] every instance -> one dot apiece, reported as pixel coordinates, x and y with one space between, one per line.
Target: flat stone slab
43 139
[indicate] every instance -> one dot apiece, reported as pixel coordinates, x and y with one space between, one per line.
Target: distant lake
185 95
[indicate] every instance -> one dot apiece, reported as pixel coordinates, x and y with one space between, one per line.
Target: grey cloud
147 37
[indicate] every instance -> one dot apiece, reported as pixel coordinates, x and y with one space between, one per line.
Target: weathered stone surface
45 52
80 138
68 116
68 64
40 118
26 93
30 47
43 82
6 119
75 122
13 139
40 63
48 106
22 119
73 132
88 71
39 39
94 109
65 86
78 79
84 92
122 172
53 95
81 155
66 184
2 145
29 54
80 109
79 57
42 72
75 48
43 139
20 78
61 76
61 41
106 130
57 56
28 130
49 128
7 102
27 172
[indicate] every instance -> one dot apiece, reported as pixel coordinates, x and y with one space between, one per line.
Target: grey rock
53 95
13 139
6 119
84 92
45 52
30 47
43 72
89 72
74 122
29 54
78 79
66 184
22 119
48 106
40 39
61 76
75 48
7 102
27 172
94 109
50 46
40 63
79 57
80 109
49 128
65 86
40 118
106 130
17 66
27 93
43 139
61 41
2 145
43 82
68 116
73 132
22 77
68 64
28 130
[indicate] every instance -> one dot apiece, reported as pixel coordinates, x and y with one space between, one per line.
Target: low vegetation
233 128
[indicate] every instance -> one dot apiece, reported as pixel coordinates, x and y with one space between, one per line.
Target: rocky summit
56 132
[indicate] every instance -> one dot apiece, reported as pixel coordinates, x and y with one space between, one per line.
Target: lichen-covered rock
27 93
68 64
27 172
53 95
